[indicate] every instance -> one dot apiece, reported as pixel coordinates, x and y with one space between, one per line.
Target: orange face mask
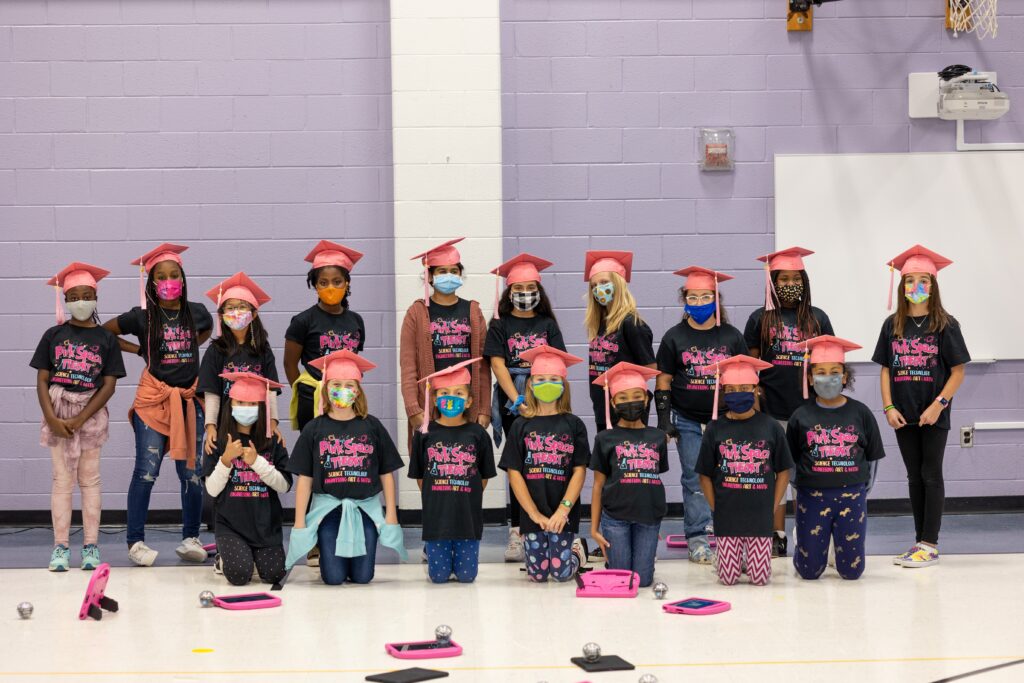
332 296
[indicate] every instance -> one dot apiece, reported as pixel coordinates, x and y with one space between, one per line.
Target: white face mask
81 310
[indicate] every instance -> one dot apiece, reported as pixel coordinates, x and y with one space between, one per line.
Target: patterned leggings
238 558
445 558
839 514
549 554
753 551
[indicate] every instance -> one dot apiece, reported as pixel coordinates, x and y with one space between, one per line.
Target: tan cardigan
416 358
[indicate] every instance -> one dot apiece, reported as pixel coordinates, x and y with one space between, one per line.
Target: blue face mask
451 406
447 283
604 293
739 401
700 313
245 415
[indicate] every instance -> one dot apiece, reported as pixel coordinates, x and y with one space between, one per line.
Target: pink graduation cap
239 286
250 387
545 360
444 254
704 278
327 253
342 365
603 261
454 376
522 268
786 259
622 376
739 369
825 349
74 275
917 259
165 252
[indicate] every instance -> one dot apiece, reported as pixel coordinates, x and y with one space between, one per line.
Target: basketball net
973 16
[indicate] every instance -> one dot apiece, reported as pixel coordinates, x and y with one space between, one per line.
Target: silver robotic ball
660 589
443 634
206 599
591 652
648 678
25 610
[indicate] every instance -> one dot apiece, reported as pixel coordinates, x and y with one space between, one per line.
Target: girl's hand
601 541
484 421
279 435
895 418
233 449
249 455
557 521
540 520
931 414
299 524
210 440
391 517
416 421
59 427
74 424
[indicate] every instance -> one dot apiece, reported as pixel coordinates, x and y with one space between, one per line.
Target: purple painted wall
601 102
248 129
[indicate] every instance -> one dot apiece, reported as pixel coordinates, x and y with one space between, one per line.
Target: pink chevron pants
755 552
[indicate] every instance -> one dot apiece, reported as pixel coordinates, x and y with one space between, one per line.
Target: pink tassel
892 278
426 285
607 407
769 289
714 410
807 361
497 294
217 323
142 286
426 408
718 307
270 422
60 305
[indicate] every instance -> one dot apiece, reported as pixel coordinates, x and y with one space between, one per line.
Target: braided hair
771 321
314 275
154 323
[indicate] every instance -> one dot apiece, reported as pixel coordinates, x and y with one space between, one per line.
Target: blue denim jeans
631 545
336 570
149 455
696 511
444 558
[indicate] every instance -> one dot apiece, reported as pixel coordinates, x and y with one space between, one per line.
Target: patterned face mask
525 301
604 293
451 406
790 294
918 294
237 319
342 397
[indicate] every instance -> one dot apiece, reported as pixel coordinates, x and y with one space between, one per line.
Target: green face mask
548 392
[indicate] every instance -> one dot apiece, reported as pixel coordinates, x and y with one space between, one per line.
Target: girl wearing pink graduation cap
327 326
78 364
166 415
615 331
744 467
451 462
242 346
833 440
773 334
524 319
245 475
685 395
922 354
546 458
344 459
627 503
440 330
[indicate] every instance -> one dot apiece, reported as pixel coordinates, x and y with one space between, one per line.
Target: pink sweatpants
730 555
88 476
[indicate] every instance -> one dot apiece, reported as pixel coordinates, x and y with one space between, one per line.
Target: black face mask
631 410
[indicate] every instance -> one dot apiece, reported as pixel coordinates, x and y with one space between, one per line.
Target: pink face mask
168 290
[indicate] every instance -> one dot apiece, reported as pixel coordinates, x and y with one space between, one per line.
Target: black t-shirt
631 343
244 359
919 364
783 382
452 462
450 332
741 457
686 354
509 336
832 446
78 357
320 333
545 450
178 364
345 458
247 507
632 460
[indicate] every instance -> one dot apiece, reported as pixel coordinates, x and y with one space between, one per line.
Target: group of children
778 386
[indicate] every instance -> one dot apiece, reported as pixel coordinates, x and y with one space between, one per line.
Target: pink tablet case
717 608
267 601
95 601
607 583
394 649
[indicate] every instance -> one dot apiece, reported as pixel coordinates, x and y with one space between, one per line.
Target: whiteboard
858 211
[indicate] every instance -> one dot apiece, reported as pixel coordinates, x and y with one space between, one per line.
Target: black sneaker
779 545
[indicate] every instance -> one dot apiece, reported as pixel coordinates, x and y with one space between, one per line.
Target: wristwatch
942 400
566 503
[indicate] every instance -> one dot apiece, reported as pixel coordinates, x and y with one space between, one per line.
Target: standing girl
744 467
241 347
686 386
170 330
328 325
615 330
833 440
78 363
546 459
773 334
628 499
922 354
523 320
451 462
439 331
245 475
345 459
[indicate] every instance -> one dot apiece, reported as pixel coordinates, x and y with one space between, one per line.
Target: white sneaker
141 554
579 549
191 550
514 551
218 565
831 554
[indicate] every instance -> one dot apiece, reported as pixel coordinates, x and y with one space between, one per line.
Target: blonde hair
623 304
360 407
562 405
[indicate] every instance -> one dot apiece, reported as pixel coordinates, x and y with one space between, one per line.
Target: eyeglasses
705 299
236 309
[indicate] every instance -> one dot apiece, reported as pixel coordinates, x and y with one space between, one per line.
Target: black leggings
238 557
922 449
514 509
304 410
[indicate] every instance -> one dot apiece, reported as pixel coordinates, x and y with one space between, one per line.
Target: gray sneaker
514 551
191 550
141 554
700 551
